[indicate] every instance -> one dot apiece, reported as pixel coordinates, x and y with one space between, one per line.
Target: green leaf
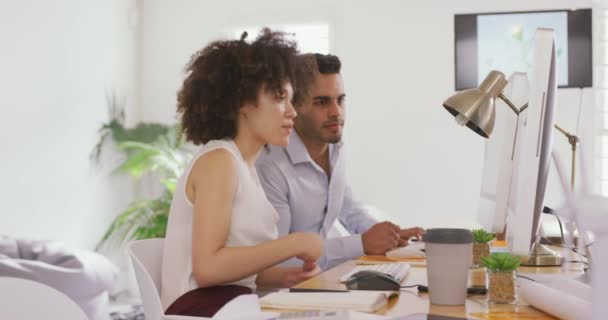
144 132
138 164
148 148
170 184
482 236
501 261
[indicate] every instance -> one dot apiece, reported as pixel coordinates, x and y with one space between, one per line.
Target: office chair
147 256
30 300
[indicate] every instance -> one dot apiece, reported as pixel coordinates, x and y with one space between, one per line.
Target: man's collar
297 152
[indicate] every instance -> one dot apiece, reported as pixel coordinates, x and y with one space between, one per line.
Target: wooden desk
409 301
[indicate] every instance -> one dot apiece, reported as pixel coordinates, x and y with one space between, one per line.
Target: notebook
365 301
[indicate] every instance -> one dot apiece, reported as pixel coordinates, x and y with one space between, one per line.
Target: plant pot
478 277
502 287
480 250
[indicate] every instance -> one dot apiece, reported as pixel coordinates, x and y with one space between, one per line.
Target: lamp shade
475 107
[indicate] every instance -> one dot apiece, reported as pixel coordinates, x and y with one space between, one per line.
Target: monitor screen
505 41
499 158
533 147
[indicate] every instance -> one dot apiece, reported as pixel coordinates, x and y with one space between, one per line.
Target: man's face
321 115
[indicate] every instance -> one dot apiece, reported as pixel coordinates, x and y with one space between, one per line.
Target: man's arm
354 215
377 237
356 219
277 192
276 189
335 250
339 250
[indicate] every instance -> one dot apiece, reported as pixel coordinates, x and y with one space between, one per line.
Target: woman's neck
249 147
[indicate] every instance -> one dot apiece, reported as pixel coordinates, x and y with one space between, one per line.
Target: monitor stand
542 256
584 278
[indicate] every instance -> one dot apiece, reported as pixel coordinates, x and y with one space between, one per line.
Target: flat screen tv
504 41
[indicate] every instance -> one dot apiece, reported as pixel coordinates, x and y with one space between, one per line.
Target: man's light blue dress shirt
308 201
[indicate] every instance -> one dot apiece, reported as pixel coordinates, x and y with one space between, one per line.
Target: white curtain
600 47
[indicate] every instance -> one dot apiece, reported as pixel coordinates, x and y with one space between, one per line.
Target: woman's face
271 120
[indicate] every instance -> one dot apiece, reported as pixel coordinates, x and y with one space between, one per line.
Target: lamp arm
510 104
572 139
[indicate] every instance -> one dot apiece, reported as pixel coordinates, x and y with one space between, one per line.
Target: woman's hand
310 244
308 270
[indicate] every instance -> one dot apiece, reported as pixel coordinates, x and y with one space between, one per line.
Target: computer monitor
517 157
533 149
521 179
499 157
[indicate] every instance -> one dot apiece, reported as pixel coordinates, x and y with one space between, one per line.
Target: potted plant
481 245
153 149
501 273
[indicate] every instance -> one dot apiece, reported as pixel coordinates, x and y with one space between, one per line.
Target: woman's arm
286 277
214 182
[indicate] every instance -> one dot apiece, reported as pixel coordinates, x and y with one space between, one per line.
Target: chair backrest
26 299
147 257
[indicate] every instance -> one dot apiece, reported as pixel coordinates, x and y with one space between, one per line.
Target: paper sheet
244 307
555 302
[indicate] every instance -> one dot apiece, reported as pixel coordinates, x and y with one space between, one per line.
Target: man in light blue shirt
306 181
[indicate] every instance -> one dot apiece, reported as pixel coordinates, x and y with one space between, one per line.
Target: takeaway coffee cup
448 259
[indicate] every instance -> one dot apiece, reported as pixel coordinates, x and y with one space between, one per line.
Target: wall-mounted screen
504 41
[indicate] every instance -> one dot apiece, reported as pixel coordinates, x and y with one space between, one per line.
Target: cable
524 277
578 261
550 211
580 110
470 291
561 229
574 250
564 246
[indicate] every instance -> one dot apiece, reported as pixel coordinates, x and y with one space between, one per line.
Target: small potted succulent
481 245
501 274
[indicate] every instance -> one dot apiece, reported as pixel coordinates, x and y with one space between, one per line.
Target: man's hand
296 275
407 234
381 238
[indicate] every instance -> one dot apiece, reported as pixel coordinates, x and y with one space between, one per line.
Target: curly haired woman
221 236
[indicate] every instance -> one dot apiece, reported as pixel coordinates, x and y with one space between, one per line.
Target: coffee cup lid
447 235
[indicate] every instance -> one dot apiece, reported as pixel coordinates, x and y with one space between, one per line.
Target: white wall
398 70
173 31
406 154
58 60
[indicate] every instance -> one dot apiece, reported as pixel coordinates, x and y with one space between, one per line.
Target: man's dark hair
225 75
328 63
308 66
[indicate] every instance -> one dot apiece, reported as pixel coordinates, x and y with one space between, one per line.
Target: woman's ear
246 109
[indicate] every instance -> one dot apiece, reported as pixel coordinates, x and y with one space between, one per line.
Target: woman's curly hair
225 75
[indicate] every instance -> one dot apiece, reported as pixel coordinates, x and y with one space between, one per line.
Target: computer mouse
372 280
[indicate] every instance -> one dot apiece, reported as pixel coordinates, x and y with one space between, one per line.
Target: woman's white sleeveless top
254 220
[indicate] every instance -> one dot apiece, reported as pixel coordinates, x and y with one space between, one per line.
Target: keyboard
396 270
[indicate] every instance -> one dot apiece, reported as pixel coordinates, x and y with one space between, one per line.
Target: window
603 151
310 37
601 85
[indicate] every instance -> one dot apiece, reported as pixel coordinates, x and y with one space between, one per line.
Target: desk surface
409 301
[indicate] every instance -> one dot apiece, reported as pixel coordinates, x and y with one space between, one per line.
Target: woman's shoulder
218 159
216 149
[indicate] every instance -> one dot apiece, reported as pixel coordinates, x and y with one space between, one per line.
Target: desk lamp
475 108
